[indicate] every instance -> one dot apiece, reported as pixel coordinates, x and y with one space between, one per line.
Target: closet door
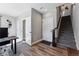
36 26
28 30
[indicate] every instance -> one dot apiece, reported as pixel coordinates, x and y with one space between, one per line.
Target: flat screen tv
3 32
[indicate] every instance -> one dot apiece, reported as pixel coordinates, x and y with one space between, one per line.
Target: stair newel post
53 39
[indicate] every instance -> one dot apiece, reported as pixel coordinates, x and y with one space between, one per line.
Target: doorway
24 30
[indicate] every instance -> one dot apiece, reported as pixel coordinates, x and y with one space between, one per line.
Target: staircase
66 36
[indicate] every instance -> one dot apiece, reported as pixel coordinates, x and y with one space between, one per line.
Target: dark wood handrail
54 39
58 23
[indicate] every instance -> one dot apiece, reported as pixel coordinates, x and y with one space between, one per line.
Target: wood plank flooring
41 49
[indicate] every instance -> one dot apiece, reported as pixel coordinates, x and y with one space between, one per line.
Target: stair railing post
53 39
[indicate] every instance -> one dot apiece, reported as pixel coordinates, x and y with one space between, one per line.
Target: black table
8 40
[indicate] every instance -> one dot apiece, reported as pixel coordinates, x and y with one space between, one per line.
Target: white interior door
47 29
28 30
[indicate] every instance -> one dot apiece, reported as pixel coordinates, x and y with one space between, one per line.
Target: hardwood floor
41 49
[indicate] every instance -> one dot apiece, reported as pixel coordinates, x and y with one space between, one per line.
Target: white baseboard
36 41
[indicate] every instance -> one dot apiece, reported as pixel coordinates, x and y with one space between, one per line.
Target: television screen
3 32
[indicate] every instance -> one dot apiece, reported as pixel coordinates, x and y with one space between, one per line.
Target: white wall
75 23
49 23
4 23
47 28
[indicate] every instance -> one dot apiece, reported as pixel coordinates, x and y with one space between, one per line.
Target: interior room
39 29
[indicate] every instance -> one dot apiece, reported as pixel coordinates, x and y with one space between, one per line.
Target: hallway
66 36
41 49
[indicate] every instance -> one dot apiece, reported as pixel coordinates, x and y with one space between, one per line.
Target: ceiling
18 9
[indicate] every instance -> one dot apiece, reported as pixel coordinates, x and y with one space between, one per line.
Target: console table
7 40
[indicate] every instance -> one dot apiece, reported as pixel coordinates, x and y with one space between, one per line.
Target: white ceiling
17 9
